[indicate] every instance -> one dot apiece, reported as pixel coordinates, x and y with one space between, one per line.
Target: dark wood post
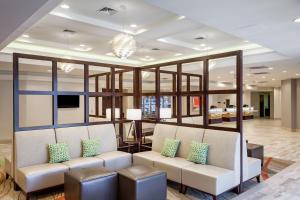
54 96
179 97
205 92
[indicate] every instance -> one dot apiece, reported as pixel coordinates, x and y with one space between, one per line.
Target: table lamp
133 114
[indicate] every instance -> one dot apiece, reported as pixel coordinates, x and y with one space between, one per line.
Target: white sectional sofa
222 172
32 172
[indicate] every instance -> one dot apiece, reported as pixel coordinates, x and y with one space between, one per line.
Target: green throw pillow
170 147
58 152
90 148
198 153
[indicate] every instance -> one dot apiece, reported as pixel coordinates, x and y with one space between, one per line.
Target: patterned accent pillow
170 147
58 152
198 153
90 148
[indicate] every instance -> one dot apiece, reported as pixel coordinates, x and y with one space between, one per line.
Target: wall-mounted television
68 101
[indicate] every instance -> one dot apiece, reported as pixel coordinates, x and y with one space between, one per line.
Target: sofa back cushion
72 136
106 135
31 147
223 149
186 135
162 131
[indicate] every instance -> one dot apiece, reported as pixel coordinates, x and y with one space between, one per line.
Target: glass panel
41 115
128 82
70 77
167 74
222 110
72 114
148 107
148 81
167 113
103 78
103 104
92 84
127 102
222 73
192 74
35 75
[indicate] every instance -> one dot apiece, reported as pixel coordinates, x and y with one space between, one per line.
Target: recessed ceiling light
202 45
297 20
83 48
82 45
263 77
133 25
270 68
284 71
109 54
178 54
181 17
297 74
25 36
65 6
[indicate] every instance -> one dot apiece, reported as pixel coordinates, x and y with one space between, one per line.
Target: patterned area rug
271 167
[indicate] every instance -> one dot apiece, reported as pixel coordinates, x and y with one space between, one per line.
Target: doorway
264 105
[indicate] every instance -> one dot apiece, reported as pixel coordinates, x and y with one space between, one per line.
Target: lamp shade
108 113
165 113
134 114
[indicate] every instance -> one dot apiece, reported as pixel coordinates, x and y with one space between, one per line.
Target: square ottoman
142 183
91 184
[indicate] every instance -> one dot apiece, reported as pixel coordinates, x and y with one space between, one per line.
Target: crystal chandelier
123 45
66 67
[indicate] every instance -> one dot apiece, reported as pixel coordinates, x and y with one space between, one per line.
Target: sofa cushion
186 135
42 176
198 153
170 147
223 148
72 136
58 152
90 147
146 158
79 163
253 168
162 131
106 135
25 151
115 160
207 178
172 166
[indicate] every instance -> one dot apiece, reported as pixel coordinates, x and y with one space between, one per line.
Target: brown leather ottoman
91 184
142 183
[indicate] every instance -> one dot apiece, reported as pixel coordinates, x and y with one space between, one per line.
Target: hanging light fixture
123 45
66 67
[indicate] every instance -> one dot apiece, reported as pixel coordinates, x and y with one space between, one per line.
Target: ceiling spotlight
181 17
65 6
297 20
83 48
25 36
270 68
178 54
284 71
202 45
133 25
297 74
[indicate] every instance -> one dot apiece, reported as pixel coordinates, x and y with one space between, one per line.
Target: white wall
6 110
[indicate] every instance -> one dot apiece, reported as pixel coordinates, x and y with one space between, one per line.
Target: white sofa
32 172
222 172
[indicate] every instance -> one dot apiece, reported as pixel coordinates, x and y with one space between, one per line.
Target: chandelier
123 45
66 67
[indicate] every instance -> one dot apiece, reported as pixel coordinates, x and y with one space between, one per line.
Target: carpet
271 167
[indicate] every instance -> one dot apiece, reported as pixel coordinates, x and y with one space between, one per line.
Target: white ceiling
225 26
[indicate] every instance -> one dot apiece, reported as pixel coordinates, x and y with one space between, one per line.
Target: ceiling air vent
155 49
107 11
69 31
199 38
260 73
258 67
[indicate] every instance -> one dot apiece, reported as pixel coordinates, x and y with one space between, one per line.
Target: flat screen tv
68 101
